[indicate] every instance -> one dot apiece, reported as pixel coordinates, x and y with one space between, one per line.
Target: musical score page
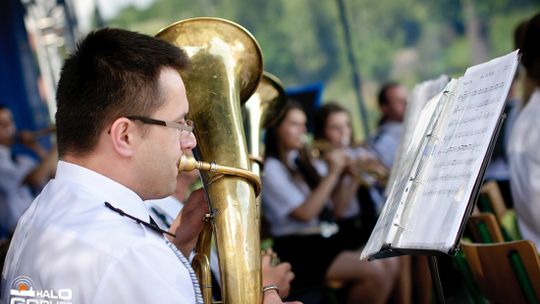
421 94
393 208
462 141
428 213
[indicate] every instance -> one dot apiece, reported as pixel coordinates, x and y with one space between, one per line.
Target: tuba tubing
188 164
226 67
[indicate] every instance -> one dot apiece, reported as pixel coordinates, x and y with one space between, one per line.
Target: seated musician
392 101
20 175
356 199
296 203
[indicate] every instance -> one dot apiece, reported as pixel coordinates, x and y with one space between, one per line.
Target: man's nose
188 142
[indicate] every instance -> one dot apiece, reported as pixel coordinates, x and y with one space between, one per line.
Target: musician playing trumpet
297 203
356 199
20 175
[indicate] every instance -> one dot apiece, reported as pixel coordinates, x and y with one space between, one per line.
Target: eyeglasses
185 126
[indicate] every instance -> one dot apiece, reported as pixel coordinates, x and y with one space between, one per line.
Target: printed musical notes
428 202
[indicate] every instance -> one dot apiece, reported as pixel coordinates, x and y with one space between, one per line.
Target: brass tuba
226 66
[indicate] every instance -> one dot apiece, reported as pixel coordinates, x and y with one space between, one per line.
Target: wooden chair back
491 200
506 272
485 228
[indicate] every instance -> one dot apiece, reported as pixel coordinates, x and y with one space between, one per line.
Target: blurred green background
303 40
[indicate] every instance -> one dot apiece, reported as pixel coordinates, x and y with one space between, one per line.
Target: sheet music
421 94
428 202
427 119
462 143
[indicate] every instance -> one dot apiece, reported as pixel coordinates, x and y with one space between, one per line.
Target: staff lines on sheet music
474 106
481 115
458 149
488 74
450 176
440 192
468 94
466 133
453 163
481 104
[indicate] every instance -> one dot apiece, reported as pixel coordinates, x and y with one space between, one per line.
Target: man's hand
280 274
189 223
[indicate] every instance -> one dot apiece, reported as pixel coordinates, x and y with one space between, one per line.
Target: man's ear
122 133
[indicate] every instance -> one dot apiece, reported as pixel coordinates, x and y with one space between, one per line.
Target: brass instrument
34 135
43 132
259 111
188 164
366 170
226 66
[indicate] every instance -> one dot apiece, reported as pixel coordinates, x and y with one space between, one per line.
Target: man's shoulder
75 217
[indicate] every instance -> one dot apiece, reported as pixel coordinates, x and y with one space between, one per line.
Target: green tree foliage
408 40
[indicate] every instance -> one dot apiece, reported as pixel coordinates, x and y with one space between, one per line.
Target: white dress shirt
282 193
164 211
524 161
386 142
68 243
15 196
353 207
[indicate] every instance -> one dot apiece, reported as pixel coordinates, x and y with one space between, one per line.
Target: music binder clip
399 226
450 93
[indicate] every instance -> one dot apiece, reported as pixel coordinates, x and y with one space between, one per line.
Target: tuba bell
226 66
258 112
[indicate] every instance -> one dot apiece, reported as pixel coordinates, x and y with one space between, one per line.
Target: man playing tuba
121 129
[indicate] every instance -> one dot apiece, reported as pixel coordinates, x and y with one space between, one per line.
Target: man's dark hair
112 73
383 92
530 49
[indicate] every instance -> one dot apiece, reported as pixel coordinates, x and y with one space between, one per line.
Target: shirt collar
103 187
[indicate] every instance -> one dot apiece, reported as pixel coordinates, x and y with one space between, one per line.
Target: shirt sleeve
11 174
280 194
530 209
146 274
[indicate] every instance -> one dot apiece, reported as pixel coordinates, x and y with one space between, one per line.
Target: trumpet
365 168
25 136
43 132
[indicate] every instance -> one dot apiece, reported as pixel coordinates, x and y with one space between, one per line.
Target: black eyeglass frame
188 126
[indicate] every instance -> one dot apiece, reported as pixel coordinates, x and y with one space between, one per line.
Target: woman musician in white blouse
297 206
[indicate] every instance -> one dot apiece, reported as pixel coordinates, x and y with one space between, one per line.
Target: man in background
392 101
